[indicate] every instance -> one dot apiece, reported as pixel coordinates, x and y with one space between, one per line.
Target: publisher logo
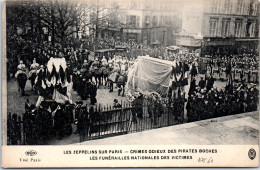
251 154
30 153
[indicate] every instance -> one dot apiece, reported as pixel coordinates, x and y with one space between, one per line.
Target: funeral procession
97 70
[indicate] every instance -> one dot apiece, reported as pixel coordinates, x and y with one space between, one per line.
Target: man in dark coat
192 86
202 83
93 93
189 108
210 83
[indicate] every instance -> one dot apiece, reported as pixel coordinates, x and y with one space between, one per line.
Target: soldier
34 65
110 62
21 67
85 66
121 80
104 61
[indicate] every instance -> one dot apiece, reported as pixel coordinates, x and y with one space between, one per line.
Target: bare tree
102 16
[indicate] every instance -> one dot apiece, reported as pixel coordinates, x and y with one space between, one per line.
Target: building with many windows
156 21
221 25
148 21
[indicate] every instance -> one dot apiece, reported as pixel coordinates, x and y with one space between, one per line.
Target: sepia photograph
180 76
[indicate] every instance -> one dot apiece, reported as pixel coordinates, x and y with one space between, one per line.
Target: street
105 98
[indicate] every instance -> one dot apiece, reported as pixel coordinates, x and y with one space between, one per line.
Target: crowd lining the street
204 99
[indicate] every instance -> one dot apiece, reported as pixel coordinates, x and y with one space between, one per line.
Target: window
215 6
132 20
255 9
155 20
127 20
240 6
227 6
147 21
137 21
213 22
238 28
225 27
252 30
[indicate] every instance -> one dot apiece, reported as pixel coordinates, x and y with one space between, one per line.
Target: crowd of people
242 67
52 119
206 101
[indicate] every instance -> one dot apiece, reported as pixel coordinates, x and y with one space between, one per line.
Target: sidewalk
240 129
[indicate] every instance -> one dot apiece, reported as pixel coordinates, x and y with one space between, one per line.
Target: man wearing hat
95 64
104 61
21 68
85 66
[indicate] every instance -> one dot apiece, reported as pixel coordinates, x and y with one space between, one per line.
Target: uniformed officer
104 61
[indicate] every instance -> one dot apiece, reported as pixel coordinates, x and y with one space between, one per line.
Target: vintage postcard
130 83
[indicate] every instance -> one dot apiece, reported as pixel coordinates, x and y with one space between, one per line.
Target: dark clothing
192 86
210 83
202 84
93 94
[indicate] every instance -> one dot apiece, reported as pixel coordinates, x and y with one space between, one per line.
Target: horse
121 81
21 79
97 74
104 74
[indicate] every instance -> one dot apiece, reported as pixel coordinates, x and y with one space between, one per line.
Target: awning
173 48
155 43
120 47
247 39
197 46
104 50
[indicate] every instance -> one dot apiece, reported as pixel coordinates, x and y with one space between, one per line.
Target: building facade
231 24
147 21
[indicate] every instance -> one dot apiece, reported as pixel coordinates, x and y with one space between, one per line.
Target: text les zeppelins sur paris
145 154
